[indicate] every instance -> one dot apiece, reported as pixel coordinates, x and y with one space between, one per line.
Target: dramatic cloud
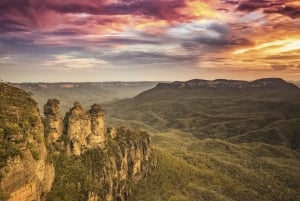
290 8
74 62
212 38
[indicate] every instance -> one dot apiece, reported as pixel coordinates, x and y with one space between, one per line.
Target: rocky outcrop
84 130
77 128
116 159
234 84
97 136
25 174
53 121
84 161
130 160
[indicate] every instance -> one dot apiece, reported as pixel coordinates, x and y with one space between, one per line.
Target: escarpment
112 161
25 173
70 158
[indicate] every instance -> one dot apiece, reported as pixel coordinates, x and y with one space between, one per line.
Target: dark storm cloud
284 7
139 57
160 9
9 25
228 40
31 10
67 31
120 41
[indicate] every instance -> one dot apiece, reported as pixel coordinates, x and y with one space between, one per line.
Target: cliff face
130 160
74 158
84 130
25 175
113 161
53 121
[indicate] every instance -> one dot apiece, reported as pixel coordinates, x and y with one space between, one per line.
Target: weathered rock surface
53 121
97 136
84 130
25 174
116 159
83 160
129 162
77 128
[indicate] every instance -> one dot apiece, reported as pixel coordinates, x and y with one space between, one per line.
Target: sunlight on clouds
196 8
274 47
7 60
72 62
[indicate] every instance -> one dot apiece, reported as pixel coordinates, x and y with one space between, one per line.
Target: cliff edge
71 158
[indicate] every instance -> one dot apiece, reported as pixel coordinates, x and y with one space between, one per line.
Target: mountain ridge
225 83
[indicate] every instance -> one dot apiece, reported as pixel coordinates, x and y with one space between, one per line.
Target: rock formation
25 174
97 136
91 163
53 121
84 130
129 162
120 157
77 128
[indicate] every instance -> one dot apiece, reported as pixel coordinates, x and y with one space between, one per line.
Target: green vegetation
74 176
217 144
211 144
192 169
77 176
3 196
216 114
19 120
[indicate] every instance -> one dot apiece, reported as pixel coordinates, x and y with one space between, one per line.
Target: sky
158 40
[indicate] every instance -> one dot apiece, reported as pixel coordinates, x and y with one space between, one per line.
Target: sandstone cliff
112 161
74 158
25 174
53 121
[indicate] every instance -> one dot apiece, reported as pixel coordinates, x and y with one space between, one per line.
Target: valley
213 140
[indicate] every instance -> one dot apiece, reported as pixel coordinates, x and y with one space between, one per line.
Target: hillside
24 172
87 93
218 143
74 158
234 111
213 140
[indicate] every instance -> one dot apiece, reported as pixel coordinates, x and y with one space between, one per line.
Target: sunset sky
133 40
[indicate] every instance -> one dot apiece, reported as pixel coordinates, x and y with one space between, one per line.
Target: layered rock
97 136
25 174
77 128
112 162
53 121
129 162
116 159
84 130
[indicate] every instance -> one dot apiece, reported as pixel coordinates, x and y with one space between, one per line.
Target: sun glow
274 47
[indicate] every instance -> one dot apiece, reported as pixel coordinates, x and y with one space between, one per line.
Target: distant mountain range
87 93
224 83
238 111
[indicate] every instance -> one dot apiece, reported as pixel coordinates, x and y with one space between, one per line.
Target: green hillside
218 113
218 144
213 142
191 169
